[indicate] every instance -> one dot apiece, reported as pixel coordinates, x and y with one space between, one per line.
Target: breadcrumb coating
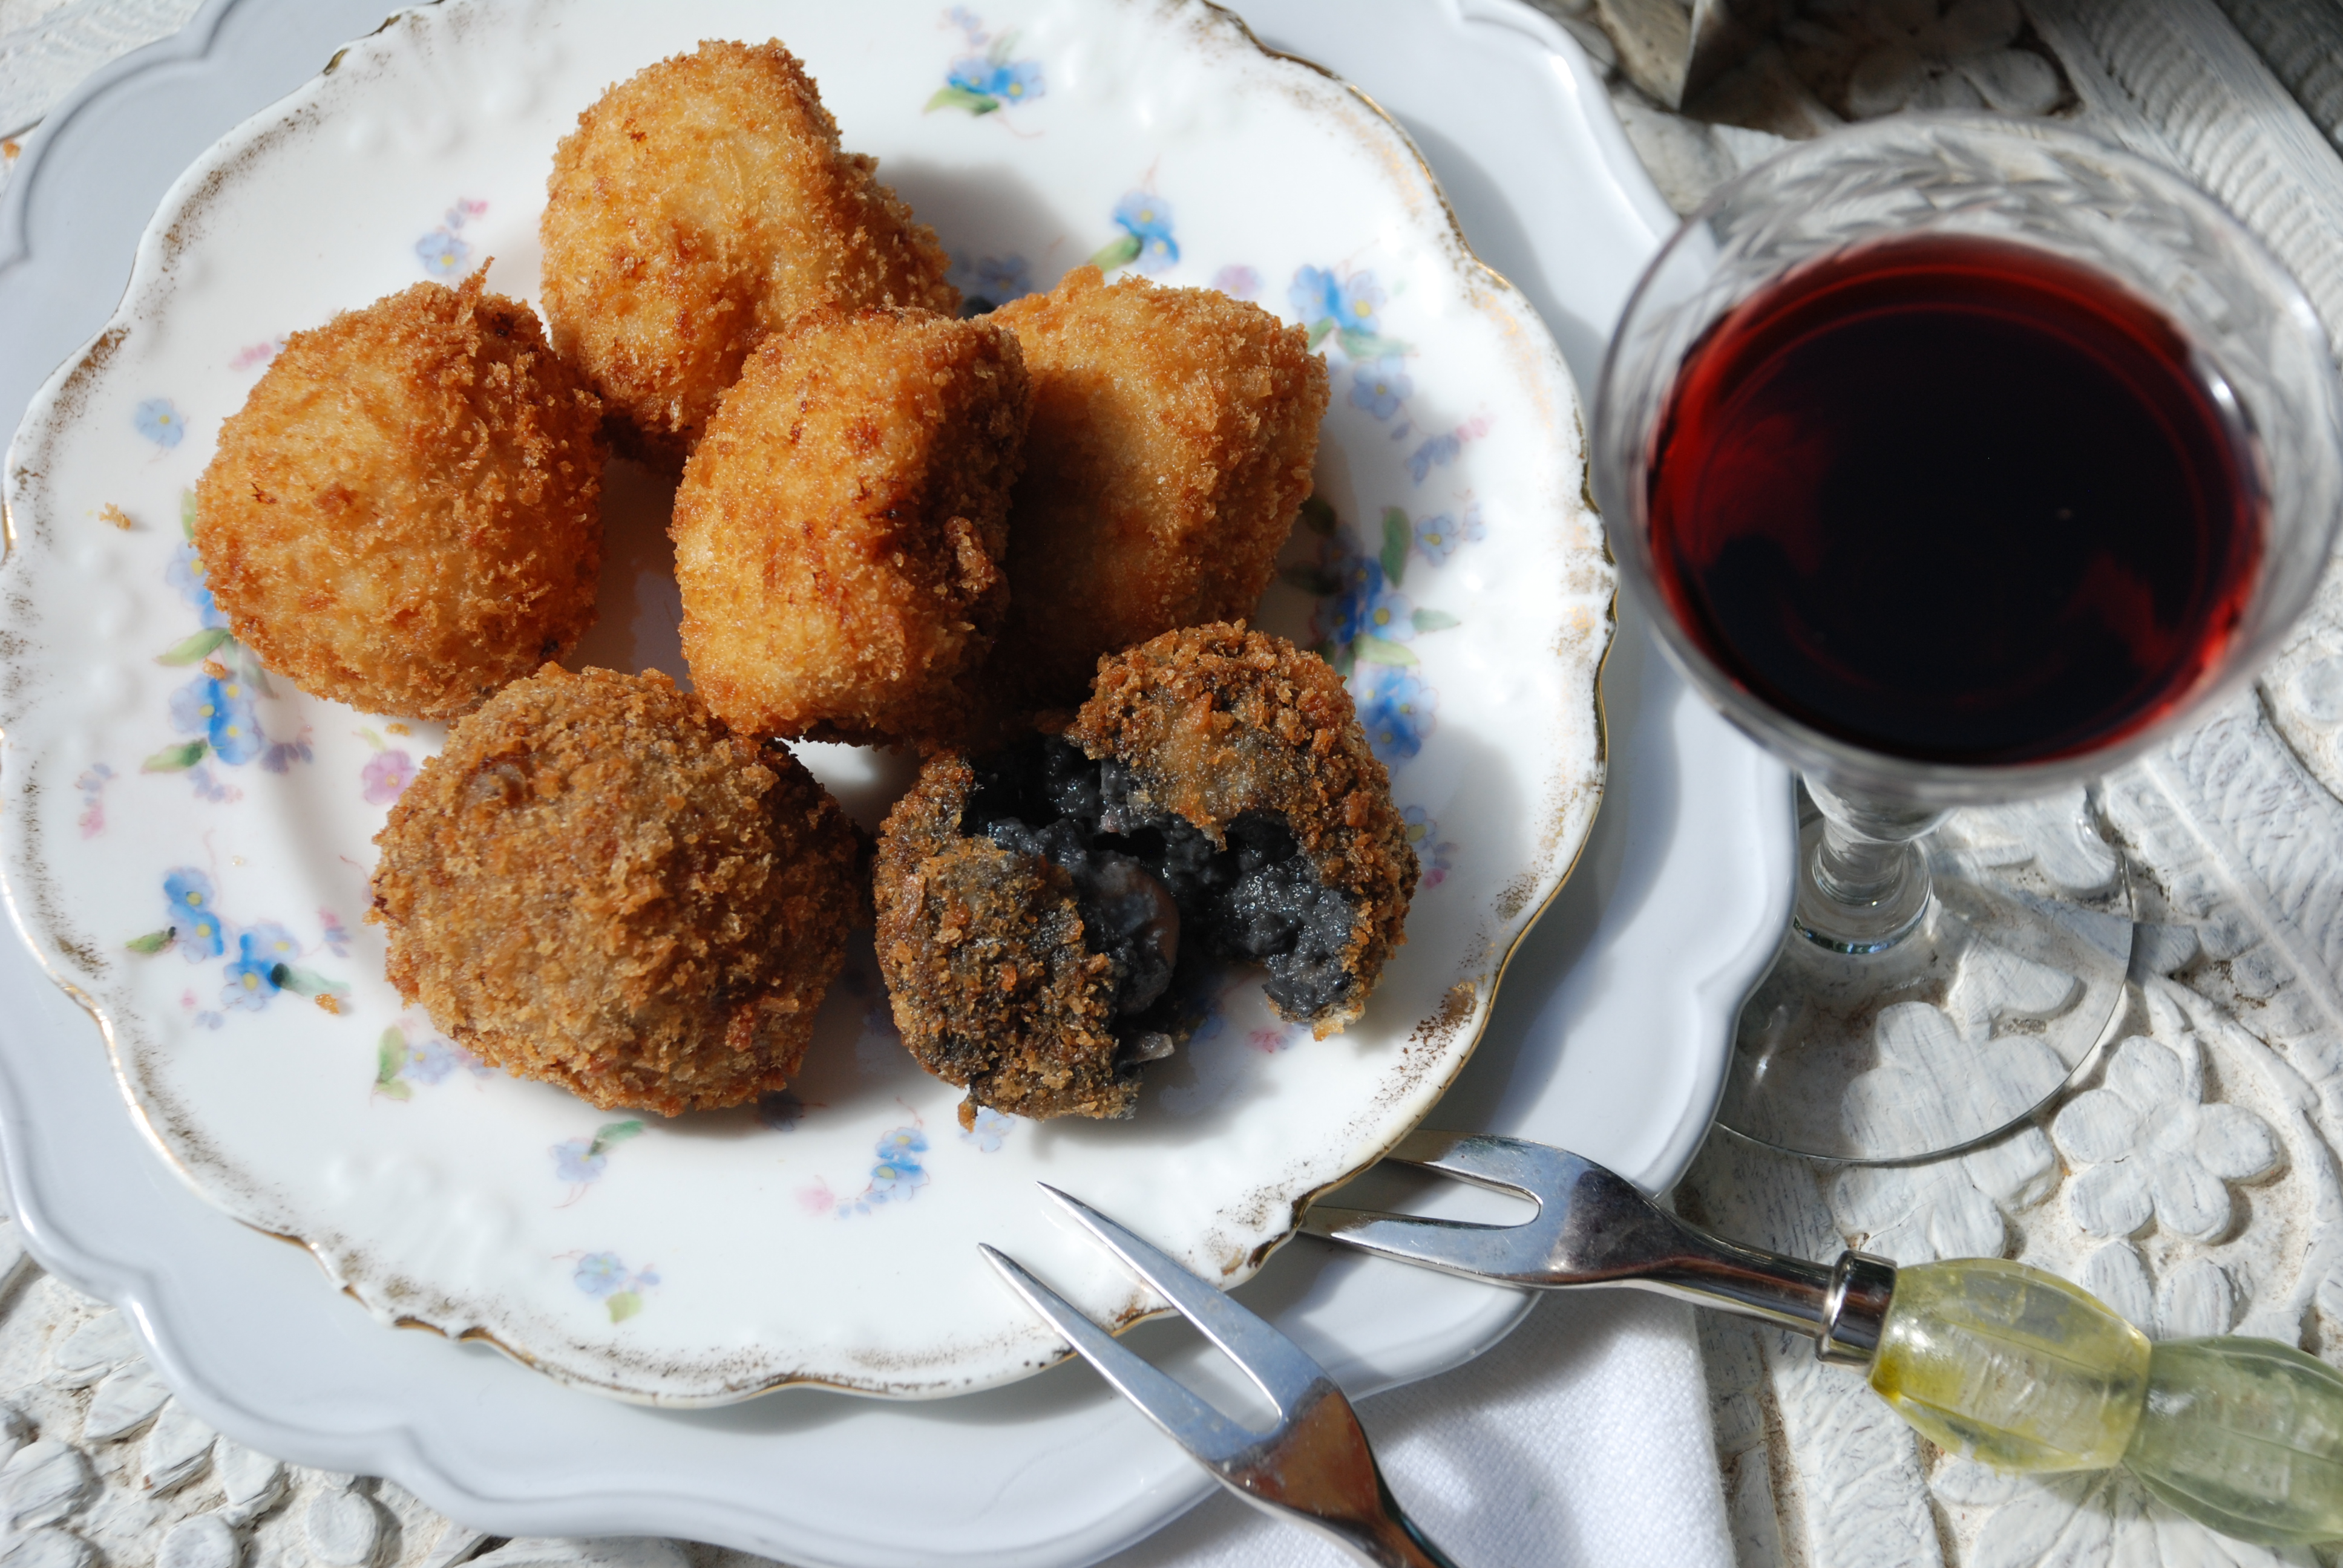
598 885
987 973
405 515
700 205
840 531
1174 435
1215 722
1214 797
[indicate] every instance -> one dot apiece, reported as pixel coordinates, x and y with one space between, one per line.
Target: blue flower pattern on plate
1147 242
605 1278
219 707
262 964
582 1160
1346 305
988 282
1364 623
1439 451
1361 614
896 1177
431 1059
401 1060
159 420
1436 855
986 83
443 251
264 953
222 712
1380 386
193 924
1395 708
991 1128
185 573
1437 536
1002 81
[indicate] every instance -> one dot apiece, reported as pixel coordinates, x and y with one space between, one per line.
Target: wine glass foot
1999 990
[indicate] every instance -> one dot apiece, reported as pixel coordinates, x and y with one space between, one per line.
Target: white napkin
1583 1438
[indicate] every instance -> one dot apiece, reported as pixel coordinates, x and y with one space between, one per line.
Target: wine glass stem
1863 883
1857 872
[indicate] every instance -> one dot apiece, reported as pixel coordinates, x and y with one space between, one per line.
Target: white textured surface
48 45
2192 1180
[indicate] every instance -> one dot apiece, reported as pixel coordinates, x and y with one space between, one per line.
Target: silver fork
1312 1468
1594 1228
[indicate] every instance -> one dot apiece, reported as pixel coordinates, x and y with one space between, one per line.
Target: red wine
1956 500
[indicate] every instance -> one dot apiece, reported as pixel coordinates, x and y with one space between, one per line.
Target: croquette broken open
1043 909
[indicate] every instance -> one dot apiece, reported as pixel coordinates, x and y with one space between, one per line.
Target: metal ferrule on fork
1594 1228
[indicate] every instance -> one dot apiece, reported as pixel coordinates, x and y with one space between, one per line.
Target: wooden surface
2193 1182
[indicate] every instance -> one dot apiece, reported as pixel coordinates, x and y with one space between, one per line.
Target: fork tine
1535 1171
1494 1252
1188 1420
1520 1251
1276 1365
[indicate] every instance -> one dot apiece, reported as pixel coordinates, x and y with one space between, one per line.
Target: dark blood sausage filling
1152 888
1051 915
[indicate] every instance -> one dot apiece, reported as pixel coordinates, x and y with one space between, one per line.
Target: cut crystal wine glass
1944 973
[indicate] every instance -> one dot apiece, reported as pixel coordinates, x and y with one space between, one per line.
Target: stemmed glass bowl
1939 982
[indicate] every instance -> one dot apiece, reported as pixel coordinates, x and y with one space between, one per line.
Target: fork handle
1398 1542
1608 1234
1417 1550
1842 1308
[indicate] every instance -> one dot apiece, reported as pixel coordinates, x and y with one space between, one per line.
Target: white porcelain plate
187 838
1609 1037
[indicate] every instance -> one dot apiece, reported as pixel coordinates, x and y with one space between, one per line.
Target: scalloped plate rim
1552 873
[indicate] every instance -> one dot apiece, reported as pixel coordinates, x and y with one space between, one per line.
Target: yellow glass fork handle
2020 1369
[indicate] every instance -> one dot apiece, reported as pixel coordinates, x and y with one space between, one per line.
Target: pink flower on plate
386 774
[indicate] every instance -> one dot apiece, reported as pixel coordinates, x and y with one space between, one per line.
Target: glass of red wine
1957 460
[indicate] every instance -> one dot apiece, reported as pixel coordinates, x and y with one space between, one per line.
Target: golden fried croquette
698 206
838 533
598 885
1173 433
1044 911
406 513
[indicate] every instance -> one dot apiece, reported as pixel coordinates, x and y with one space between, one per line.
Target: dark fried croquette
598 885
984 954
406 513
1039 908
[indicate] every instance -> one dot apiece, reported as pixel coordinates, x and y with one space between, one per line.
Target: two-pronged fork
1313 1467
1992 1359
